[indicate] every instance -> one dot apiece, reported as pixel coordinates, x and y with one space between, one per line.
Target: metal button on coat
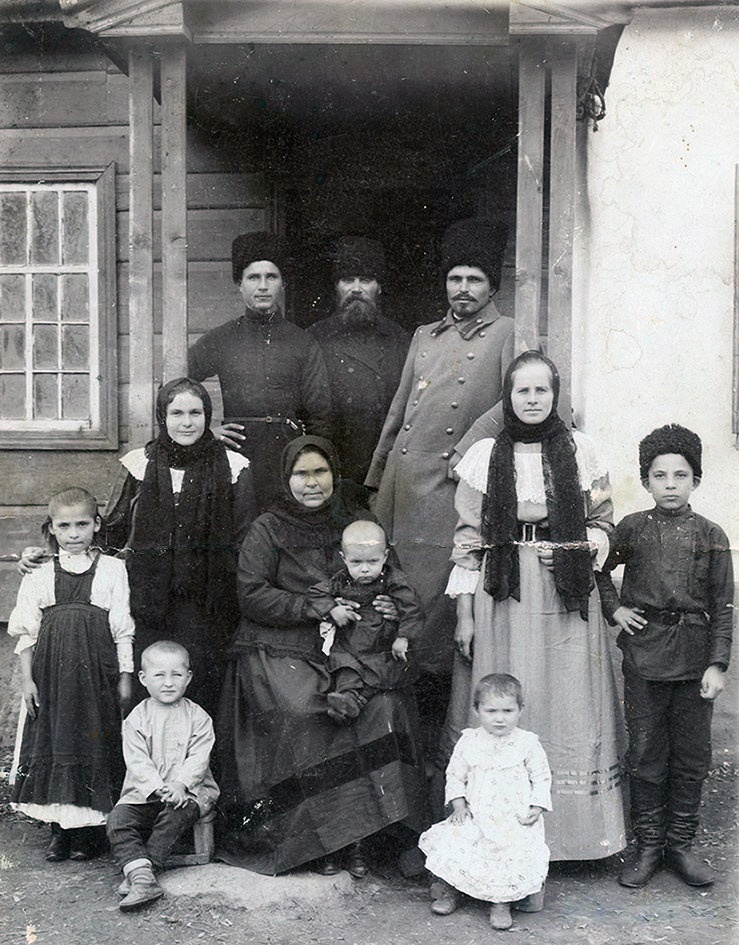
407 426
454 405
351 369
482 334
461 380
404 451
445 455
470 356
449 431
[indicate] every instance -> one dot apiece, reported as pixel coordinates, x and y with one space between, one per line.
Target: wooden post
531 84
563 57
174 212
140 248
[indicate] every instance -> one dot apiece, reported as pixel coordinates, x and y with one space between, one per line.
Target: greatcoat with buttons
453 374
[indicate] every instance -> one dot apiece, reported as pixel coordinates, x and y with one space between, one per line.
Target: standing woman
297 787
535 509
184 507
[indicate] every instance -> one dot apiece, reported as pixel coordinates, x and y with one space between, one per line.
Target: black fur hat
251 247
671 438
480 243
358 256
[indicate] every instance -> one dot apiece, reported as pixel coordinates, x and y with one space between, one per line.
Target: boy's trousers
669 729
148 831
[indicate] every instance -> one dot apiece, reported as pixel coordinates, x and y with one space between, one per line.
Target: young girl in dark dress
75 634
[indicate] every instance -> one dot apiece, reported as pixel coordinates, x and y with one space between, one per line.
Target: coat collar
469 326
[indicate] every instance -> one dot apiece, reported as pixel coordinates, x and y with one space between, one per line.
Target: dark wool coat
267 368
453 374
364 366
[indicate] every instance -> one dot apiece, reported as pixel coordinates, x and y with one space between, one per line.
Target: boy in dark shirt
675 617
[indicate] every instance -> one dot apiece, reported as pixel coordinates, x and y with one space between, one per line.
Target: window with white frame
57 309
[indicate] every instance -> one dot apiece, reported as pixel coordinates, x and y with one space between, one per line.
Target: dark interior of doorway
389 141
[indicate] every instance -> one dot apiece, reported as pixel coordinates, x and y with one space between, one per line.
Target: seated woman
296 787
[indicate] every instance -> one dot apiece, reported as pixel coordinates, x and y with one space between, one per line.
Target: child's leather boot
648 821
682 822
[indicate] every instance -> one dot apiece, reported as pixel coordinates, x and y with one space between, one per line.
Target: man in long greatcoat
364 353
272 374
453 374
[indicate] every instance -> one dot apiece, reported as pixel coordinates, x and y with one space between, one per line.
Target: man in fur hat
364 353
453 374
272 374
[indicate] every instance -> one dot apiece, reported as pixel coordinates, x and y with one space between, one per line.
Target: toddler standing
367 652
75 643
167 741
498 783
675 614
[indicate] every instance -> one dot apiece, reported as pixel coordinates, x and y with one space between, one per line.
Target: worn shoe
58 849
500 916
354 861
144 889
327 865
688 867
534 902
343 707
124 888
444 898
637 872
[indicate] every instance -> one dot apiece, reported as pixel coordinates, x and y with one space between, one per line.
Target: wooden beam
563 58
140 246
531 85
174 211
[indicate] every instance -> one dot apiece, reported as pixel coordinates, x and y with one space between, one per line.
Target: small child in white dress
498 783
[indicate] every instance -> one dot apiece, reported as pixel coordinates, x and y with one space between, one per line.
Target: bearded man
272 374
364 353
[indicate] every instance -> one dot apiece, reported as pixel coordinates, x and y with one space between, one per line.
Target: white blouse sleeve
468 551
110 591
35 593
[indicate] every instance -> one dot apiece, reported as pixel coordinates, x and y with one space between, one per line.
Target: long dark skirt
295 786
70 754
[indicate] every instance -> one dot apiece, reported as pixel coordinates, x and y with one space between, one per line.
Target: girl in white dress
498 784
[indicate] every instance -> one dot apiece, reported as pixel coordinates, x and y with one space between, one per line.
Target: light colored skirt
565 667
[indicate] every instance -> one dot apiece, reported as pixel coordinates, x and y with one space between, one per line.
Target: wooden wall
71 110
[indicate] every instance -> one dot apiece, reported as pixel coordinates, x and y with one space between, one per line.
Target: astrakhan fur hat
671 438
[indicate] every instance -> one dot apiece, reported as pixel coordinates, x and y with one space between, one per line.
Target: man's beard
356 313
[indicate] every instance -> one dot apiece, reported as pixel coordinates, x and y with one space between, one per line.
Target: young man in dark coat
364 353
273 376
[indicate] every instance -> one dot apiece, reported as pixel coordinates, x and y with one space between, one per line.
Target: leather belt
532 531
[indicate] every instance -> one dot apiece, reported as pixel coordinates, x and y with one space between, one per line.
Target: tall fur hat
358 256
476 242
251 247
671 438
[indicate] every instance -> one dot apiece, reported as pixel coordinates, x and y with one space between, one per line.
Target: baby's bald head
364 550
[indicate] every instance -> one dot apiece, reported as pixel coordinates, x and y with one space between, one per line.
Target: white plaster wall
654 287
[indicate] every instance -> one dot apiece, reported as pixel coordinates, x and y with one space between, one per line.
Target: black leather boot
58 849
648 822
683 802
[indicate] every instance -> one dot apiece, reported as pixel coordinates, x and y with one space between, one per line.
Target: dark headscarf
188 549
573 575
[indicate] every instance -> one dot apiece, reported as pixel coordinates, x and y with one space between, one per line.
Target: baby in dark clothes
366 651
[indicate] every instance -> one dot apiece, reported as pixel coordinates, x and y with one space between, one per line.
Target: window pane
45 347
13 229
46 396
74 229
45 228
75 397
12 396
12 298
44 297
13 347
75 347
75 299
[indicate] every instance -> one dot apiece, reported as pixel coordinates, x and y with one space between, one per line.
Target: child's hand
529 819
124 691
464 634
400 649
546 556
460 811
30 697
712 683
31 558
629 619
174 794
342 615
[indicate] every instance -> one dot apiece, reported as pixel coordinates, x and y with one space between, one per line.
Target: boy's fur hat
251 247
671 438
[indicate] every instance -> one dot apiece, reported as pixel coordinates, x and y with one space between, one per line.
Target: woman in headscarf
181 512
535 510
298 788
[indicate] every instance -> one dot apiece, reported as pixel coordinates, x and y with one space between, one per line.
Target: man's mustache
463 297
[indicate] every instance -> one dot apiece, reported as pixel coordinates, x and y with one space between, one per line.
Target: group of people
311 615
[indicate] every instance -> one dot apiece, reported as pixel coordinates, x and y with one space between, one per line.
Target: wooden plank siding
71 111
